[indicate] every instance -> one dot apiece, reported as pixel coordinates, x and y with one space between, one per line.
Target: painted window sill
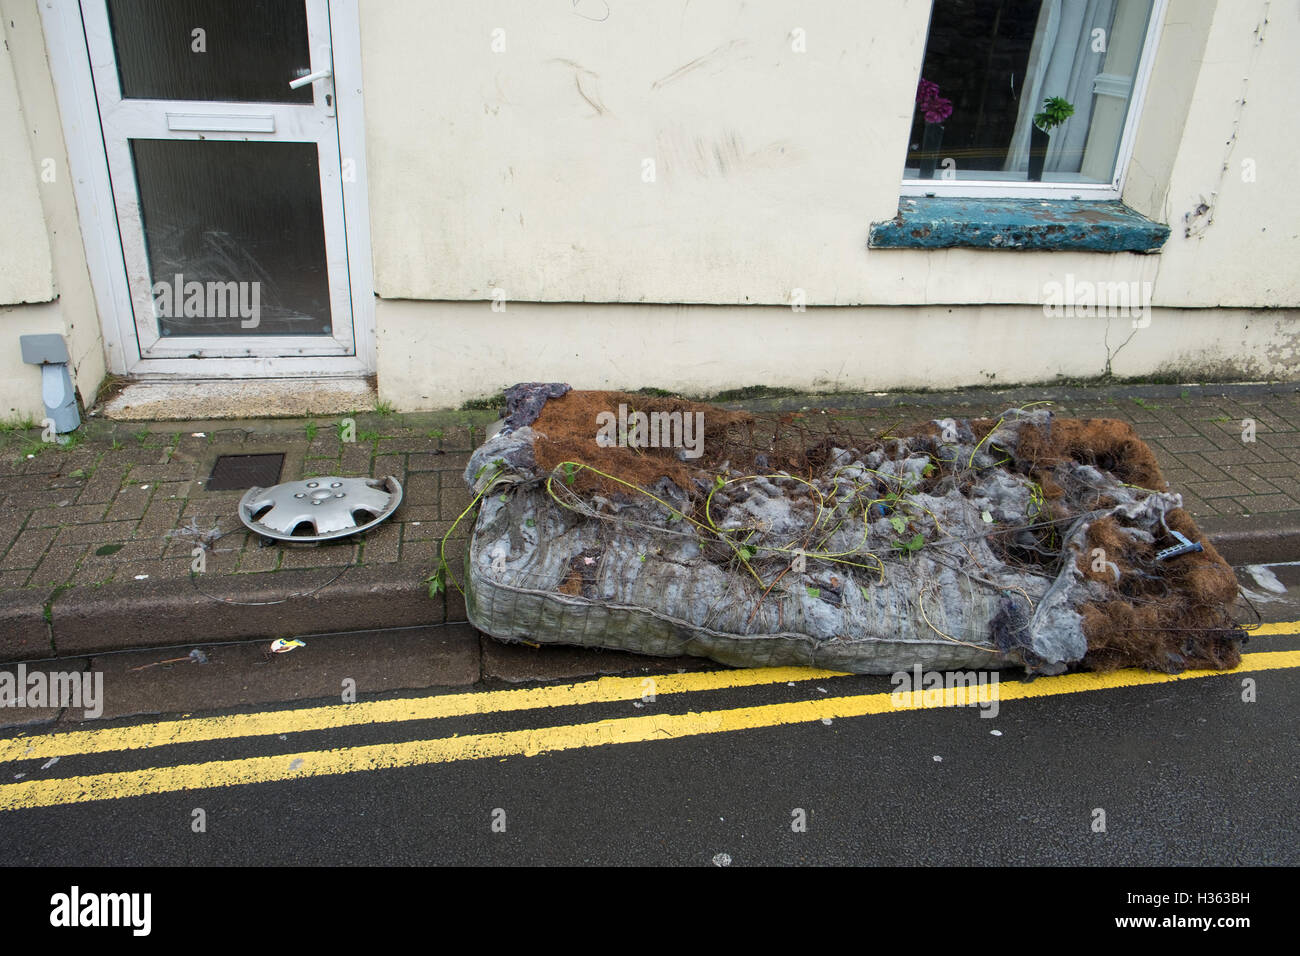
927 222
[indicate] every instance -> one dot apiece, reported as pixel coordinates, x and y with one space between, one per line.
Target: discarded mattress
1022 541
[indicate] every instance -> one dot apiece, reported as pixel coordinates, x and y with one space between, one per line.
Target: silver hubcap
319 509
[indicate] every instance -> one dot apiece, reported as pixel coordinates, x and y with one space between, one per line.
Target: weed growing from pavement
311 431
492 403
48 610
442 576
74 440
31 447
750 393
11 425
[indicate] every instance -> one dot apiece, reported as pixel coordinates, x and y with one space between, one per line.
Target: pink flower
935 107
940 109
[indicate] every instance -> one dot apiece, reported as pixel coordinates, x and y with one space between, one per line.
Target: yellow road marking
267 723
604 690
1281 627
226 773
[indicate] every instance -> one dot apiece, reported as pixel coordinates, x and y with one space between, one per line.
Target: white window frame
75 91
1021 189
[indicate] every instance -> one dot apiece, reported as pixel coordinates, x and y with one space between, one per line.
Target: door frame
74 87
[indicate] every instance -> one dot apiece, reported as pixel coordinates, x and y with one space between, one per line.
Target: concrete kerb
1255 539
24 626
289 603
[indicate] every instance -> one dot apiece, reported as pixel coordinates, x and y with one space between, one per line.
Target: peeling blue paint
1031 224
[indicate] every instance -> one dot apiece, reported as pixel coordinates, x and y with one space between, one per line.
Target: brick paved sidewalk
93 554
105 518
102 511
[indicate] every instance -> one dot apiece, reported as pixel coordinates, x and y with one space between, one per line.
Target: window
1029 97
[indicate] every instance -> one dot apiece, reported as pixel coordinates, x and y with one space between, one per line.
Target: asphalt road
1170 772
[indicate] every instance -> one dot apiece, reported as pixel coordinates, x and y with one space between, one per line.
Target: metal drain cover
319 509
236 472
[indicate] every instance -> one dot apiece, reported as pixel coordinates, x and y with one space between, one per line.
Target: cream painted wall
1245 250
28 273
521 169
1185 32
438 354
73 313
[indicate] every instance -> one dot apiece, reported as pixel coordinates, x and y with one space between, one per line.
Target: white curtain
1061 63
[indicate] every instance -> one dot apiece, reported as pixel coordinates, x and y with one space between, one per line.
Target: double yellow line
530 742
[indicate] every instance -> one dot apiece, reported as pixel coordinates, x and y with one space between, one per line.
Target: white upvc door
221 144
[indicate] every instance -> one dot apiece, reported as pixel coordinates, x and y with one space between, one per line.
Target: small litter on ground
195 656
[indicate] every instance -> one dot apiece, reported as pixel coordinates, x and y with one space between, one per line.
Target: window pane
235 236
995 62
211 49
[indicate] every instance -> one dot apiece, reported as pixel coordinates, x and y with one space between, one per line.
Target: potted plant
934 109
1056 110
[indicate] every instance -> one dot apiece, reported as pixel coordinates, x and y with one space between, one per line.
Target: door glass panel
243 52
235 236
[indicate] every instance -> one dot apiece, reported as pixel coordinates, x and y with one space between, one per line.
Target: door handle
302 81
